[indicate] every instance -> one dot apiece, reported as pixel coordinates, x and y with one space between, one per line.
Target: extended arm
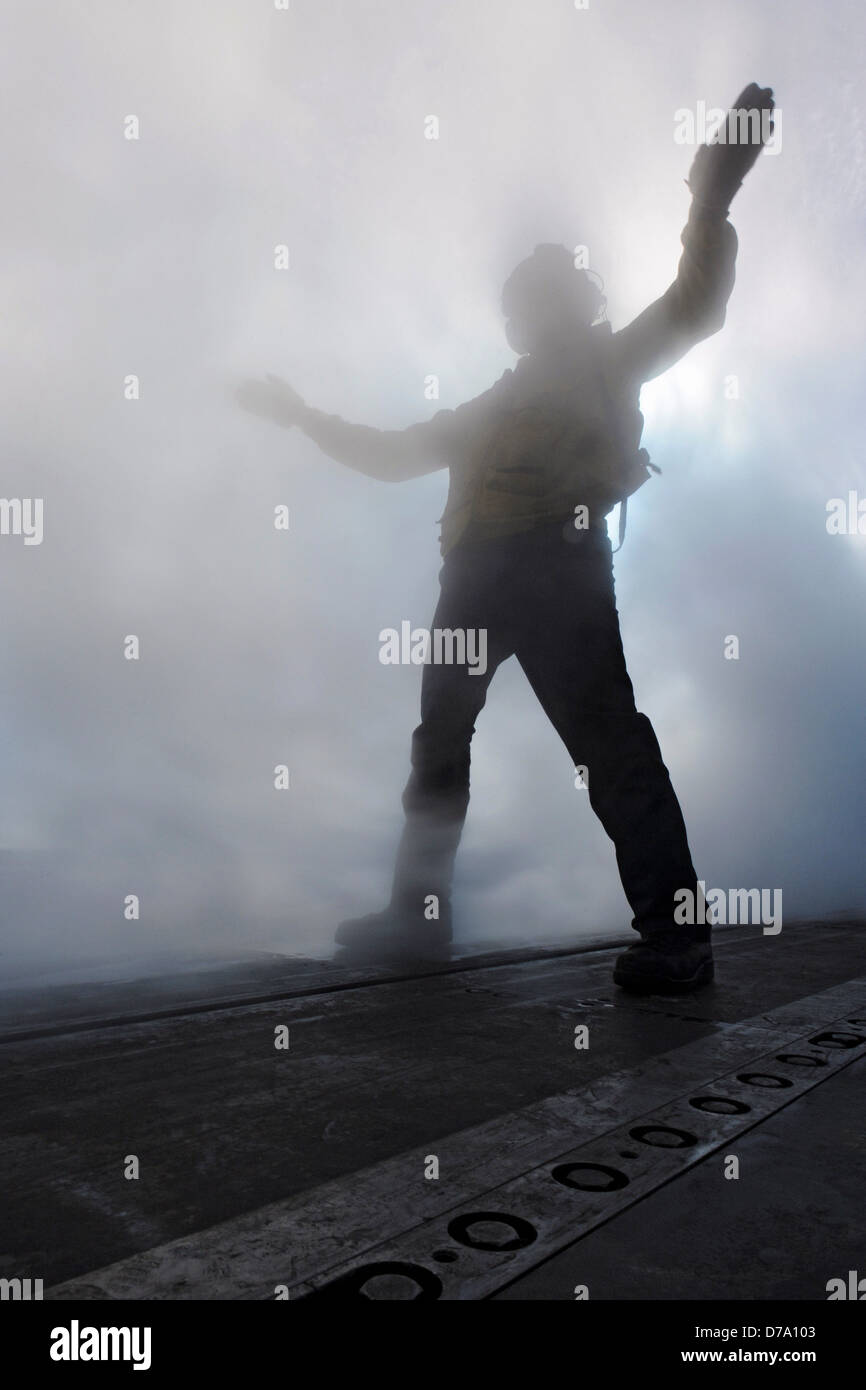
390 455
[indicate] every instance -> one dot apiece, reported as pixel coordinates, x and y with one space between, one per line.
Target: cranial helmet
548 279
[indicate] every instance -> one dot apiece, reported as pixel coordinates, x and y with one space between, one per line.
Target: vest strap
623 514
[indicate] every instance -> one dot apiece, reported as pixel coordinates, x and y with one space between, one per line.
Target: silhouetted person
536 463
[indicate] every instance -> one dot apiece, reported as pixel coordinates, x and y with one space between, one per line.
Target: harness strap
623 514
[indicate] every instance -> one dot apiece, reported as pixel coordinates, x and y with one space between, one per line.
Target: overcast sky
155 257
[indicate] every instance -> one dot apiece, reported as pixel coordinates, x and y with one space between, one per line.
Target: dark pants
547 597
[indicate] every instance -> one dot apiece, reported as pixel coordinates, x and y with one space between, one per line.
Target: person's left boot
665 962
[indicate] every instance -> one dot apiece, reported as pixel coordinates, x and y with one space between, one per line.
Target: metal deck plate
511 1191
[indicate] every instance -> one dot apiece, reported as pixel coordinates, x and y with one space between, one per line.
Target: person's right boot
397 934
665 962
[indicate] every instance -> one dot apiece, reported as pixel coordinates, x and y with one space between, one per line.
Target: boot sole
659 984
392 953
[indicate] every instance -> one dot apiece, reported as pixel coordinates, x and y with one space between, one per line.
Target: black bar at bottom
171 1339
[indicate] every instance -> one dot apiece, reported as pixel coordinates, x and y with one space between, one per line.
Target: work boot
665 962
395 935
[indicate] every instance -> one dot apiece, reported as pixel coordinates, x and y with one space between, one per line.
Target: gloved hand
272 399
718 169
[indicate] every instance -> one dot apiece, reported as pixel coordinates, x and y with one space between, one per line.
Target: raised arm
694 306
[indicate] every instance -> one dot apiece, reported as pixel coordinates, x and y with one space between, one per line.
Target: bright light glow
685 391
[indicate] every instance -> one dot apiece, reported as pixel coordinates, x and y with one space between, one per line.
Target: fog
155 258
